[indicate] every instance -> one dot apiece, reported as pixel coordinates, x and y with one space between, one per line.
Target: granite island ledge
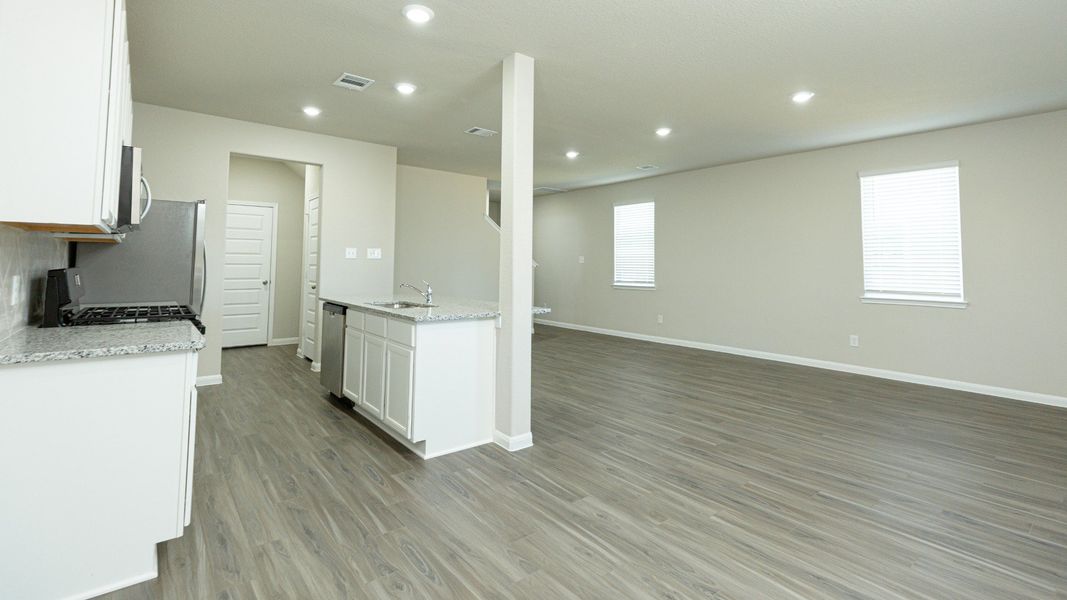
444 309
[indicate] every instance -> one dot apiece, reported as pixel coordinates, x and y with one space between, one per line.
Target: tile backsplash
26 256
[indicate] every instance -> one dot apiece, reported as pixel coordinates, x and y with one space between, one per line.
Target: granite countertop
445 309
34 344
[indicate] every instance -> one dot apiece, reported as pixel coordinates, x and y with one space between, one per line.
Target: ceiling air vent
481 132
353 82
646 167
547 190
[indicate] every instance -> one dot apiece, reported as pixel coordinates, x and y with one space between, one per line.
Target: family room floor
657 472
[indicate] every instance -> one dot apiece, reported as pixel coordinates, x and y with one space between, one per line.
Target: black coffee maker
63 290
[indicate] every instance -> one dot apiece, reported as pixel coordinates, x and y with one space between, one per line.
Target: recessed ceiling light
312 111
572 154
417 13
406 88
663 131
803 96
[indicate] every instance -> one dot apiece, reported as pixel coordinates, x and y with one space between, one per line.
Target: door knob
314 287
266 281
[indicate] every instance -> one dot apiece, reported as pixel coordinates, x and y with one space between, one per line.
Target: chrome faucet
428 294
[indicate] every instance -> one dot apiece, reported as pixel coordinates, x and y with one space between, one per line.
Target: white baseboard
209 380
151 560
513 443
429 455
963 386
125 583
299 353
284 341
316 367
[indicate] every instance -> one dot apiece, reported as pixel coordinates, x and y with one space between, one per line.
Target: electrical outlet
351 252
374 253
581 260
16 289
854 341
659 319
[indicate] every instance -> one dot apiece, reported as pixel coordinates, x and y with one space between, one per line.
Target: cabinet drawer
354 319
402 332
374 324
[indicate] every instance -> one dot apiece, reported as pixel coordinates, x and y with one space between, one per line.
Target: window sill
914 302
632 286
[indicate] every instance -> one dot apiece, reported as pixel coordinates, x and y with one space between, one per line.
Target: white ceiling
609 73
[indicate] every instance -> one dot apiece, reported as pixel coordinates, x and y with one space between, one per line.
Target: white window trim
633 286
913 301
909 300
623 285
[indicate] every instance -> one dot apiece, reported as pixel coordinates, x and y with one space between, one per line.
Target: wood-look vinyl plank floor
657 473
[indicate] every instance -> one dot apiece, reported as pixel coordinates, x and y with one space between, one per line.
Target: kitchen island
96 449
425 374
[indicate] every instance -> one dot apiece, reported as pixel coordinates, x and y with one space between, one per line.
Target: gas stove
143 313
65 288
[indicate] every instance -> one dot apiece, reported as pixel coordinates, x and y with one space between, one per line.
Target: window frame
905 299
615 283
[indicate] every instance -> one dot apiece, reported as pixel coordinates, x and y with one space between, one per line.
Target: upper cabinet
65 113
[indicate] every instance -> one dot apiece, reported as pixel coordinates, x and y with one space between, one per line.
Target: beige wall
187 156
442 234
766 255
261 180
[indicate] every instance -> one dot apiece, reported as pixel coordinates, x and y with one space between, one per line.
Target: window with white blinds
635 245
911 236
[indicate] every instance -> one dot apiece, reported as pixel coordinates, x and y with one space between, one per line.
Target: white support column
516 256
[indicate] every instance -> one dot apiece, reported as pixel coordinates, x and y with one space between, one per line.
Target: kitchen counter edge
33 344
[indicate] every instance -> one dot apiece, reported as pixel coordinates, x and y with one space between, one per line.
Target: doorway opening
271 266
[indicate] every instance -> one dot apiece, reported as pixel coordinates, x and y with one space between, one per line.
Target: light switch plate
374 253
351 252
581 260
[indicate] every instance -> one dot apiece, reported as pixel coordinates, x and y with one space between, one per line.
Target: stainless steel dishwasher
332 360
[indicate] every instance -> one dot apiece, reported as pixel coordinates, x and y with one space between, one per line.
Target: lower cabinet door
352 384
373 397
398 396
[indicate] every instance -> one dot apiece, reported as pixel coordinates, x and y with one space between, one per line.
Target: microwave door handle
148 204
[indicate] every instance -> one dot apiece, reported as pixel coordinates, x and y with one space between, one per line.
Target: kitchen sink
402 304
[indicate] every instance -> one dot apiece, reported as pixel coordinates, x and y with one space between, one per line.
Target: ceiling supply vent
481 132
349 81
547 190
646 167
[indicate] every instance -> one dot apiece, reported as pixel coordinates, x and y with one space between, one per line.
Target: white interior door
247 274
309 329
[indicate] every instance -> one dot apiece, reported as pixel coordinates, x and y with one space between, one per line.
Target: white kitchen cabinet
95 474
66 112
429 385
374 377
400 365
352 380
